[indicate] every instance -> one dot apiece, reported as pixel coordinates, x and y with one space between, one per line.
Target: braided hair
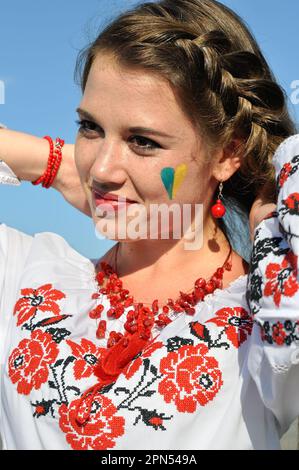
219 75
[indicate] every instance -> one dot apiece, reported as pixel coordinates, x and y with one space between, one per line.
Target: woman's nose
109 165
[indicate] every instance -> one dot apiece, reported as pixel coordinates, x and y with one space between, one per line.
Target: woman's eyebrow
142 130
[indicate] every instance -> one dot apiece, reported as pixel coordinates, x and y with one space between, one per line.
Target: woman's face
113 157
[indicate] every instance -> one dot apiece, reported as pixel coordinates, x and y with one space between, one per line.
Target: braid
247 104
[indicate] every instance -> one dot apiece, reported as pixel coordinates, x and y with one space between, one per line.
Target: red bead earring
218 210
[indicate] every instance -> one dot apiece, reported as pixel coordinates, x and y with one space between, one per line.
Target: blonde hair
220 76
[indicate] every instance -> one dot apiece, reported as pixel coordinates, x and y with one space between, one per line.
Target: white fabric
211 381
7 176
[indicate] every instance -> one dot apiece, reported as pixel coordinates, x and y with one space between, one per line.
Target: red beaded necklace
141 319
123 347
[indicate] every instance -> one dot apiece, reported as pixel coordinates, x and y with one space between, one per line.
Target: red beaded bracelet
57 158
54 161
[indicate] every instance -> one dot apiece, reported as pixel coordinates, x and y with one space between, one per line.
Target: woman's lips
115 204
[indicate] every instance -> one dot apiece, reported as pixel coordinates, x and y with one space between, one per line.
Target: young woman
155 346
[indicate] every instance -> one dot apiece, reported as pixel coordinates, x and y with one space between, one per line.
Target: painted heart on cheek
173 178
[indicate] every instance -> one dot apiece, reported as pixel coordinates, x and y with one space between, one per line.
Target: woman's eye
145 144
87 127
142 144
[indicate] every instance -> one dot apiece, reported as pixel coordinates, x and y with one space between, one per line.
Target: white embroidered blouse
225 378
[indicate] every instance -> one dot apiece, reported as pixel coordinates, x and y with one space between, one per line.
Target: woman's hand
260 209
68 183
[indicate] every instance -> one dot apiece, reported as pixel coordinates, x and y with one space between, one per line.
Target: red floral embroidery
134 366
40 410
99 433
28 363
43 298
237 321
155 420
198 329
278 333
284 174
192 377
282 279
291 204
87 355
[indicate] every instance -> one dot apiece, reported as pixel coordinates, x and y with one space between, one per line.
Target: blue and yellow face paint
173 178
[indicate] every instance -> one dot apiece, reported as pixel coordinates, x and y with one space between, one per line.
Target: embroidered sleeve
273 294
7 176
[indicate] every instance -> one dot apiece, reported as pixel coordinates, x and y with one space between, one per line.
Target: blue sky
39 43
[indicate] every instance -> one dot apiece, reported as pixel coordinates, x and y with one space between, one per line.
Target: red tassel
116 358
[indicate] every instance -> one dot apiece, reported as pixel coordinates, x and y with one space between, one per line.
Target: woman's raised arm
27 156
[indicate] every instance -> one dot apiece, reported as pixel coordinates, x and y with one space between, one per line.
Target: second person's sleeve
273 294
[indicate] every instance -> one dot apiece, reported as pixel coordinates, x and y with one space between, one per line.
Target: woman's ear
227 161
